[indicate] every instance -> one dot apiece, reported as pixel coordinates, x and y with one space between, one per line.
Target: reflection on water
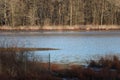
74 46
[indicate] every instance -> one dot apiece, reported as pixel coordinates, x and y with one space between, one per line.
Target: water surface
74 46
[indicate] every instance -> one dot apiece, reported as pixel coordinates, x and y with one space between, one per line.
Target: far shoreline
61 28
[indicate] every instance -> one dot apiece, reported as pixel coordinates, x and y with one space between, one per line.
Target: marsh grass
24 65
21 64
104 68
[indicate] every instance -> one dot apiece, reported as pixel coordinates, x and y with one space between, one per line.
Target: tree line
58 12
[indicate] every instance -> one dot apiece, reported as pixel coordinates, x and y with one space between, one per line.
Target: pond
74 46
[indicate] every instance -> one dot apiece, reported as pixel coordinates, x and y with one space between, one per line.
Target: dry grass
109 69
20 64
60 28
106 68
17 66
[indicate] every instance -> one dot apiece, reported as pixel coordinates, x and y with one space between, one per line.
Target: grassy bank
60 28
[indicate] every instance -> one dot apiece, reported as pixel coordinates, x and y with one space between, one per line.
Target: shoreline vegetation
27 49
32 68
59 15
62 28
20 64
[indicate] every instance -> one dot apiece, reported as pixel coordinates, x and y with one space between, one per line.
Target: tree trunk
71 12
102 12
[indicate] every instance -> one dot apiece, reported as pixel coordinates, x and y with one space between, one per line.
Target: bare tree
71 12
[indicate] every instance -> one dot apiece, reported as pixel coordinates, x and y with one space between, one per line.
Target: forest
59 12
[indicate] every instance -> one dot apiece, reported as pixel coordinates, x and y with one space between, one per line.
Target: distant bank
61 28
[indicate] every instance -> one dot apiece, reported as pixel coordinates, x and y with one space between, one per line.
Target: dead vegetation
23 65
20 64
105 68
